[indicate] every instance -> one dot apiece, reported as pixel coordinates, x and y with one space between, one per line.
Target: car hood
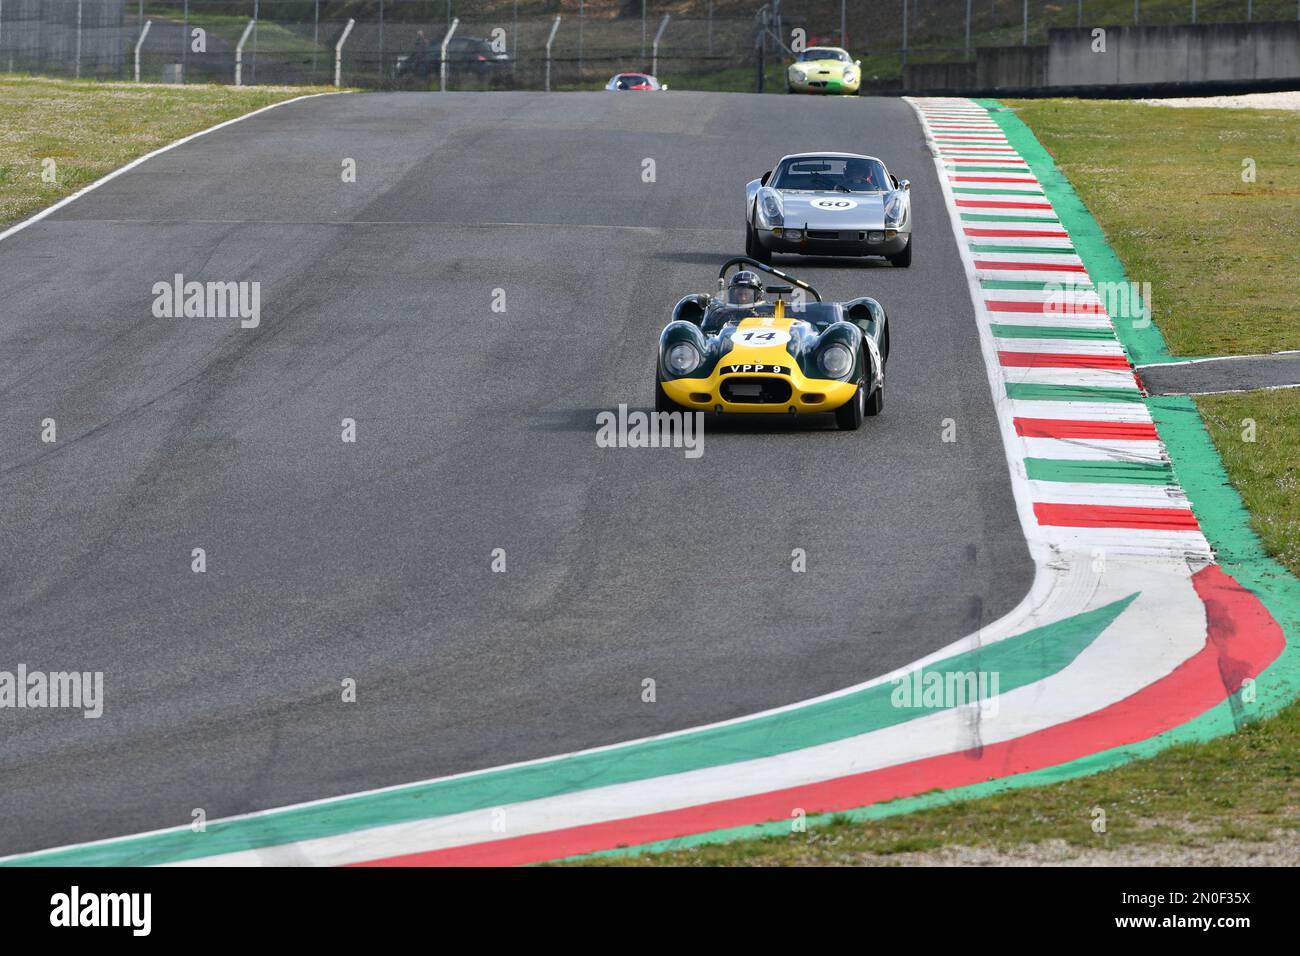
834 210
835 67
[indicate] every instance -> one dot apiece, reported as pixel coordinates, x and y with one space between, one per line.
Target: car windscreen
632 80
823 53
832 173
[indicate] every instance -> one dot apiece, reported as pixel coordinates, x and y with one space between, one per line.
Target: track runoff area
1118 556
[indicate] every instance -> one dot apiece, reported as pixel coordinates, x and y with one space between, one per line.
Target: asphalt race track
475 431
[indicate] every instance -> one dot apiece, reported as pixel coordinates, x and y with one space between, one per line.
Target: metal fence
700 43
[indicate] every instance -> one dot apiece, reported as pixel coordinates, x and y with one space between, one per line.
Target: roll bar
754 263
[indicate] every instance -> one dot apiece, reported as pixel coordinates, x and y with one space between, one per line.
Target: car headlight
836 360
798 75
894 210
772 211
682 358
848 76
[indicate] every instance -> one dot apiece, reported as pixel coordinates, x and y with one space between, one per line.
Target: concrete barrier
1191 53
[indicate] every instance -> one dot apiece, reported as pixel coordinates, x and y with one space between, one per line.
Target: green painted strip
1077 285
1071 393
1019 660
1006 331
1103 472
1048 250
1145 344
997 192
988 217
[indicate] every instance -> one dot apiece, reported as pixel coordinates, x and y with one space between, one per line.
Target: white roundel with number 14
759 338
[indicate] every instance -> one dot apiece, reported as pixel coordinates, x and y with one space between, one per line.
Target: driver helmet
745 288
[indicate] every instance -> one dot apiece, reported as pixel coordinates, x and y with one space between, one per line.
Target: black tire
876 403
756 250
849 415
903 259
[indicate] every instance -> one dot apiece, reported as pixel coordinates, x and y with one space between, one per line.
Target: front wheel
755 249
903 259
849 415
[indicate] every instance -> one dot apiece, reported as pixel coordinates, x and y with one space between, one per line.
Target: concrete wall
994 68
1191 53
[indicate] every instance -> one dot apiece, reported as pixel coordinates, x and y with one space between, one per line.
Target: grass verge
1167 187
60 135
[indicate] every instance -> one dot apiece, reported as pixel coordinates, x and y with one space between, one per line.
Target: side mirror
857 62
905 184
762 180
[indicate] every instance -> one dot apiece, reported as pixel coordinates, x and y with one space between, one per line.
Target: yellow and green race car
735 351
824 69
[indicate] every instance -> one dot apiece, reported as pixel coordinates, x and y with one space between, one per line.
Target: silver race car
829 204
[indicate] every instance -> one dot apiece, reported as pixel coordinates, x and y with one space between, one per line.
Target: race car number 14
760 338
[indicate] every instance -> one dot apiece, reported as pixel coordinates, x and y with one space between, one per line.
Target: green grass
90 128
1166 186
1266 471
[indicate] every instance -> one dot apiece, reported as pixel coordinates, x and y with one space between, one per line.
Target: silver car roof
829 156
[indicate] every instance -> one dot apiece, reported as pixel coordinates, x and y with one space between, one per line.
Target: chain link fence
503 44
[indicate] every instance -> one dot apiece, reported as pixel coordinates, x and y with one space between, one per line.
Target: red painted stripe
1017 233
1002 204
1080 428
958 159
1045 308
960 150
1242 640
985 179
1061 360
1028 266
1114 516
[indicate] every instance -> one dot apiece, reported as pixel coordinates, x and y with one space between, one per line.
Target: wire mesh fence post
442 53
642 31
904 32
549 40
582 14
77 68
338 53
185 42
144 32
663 25
968 6
256 13
239 53
1024 35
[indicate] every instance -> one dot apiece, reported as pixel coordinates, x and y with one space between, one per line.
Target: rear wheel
904 258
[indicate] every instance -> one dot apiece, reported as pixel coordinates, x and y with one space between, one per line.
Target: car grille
753 390
822 234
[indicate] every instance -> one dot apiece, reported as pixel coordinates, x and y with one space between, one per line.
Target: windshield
823 53
832 173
